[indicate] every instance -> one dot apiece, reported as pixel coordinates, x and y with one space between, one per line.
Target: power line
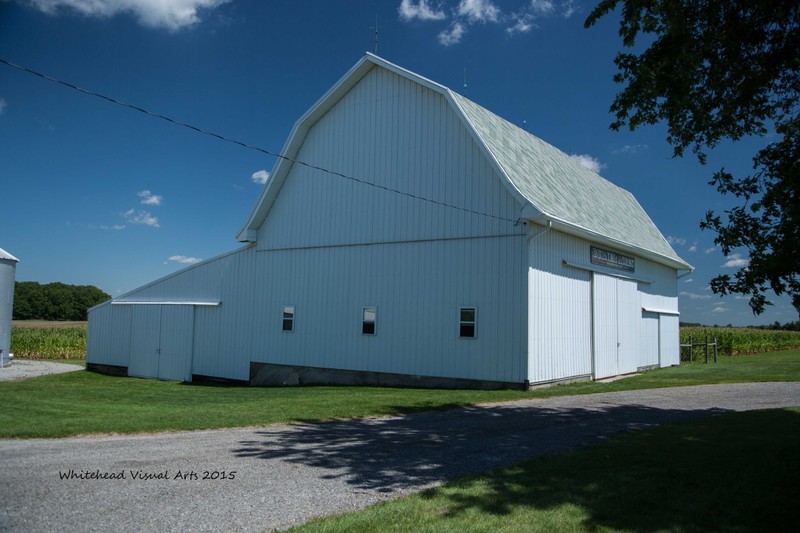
245 145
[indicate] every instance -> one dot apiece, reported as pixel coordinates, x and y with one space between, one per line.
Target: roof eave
589 235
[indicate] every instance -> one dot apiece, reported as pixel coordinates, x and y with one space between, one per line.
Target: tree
716 70
54 301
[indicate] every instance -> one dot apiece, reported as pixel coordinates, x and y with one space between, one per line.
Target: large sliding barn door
615 312
162 342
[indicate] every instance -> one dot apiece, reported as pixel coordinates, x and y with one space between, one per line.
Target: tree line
54 301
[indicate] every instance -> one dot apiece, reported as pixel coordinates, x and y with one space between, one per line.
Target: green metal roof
561 188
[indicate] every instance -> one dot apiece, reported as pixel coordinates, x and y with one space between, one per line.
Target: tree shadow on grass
393 454
736 472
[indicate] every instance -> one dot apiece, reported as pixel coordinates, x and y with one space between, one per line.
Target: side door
145 341
176 342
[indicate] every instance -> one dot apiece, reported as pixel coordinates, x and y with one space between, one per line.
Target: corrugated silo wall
561 326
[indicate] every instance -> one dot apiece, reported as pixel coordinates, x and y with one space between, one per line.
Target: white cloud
711 250
479 10
690 280
421 10
523 24
184 260
469 12
141 217
693 247
735 261
260 176
630 149
720 310
589 162
567 8
453 35
3 105
170 14
676 240
542 7
695 296
149 198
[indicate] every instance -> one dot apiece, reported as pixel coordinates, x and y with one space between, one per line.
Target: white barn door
650 347
615 316
176 342
162 342
145 335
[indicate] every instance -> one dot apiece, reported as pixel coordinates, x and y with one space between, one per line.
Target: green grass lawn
772 366
734 472
84 402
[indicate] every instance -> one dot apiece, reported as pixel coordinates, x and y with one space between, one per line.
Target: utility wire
248 146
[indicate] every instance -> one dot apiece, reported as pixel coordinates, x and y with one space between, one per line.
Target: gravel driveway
274 477
29 369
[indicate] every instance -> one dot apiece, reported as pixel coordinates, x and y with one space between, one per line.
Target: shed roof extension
553 187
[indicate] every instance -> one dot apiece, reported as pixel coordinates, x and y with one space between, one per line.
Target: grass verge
734 472
84 402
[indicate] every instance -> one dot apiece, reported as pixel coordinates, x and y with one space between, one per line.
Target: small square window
368 318
467 322
288 318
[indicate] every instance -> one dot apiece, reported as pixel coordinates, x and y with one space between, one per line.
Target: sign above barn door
611 259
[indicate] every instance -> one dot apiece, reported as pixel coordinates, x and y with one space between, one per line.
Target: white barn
477 255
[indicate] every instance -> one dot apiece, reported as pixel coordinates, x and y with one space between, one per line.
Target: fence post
715 348
706 348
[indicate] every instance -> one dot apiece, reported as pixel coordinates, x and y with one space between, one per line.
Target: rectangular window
368 317
288 318
467 322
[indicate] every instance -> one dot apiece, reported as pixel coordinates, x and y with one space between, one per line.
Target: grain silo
8 267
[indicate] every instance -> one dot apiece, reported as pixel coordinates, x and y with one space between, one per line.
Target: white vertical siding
109 338
145 337
417 289
669 326
559 310
629 318
648 340
572 323
605 326
176 342
395 133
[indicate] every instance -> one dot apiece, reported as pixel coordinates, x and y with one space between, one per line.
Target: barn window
468 320
368 316
288 318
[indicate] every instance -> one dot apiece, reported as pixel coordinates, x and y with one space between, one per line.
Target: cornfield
67 340
741 341
49 341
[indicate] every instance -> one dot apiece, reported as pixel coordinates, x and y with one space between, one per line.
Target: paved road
286 474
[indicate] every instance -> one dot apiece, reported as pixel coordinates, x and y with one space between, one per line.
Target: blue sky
93 193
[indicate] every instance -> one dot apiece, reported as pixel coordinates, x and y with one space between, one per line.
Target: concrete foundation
267 374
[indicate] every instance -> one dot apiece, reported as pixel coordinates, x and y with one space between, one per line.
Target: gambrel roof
552 187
